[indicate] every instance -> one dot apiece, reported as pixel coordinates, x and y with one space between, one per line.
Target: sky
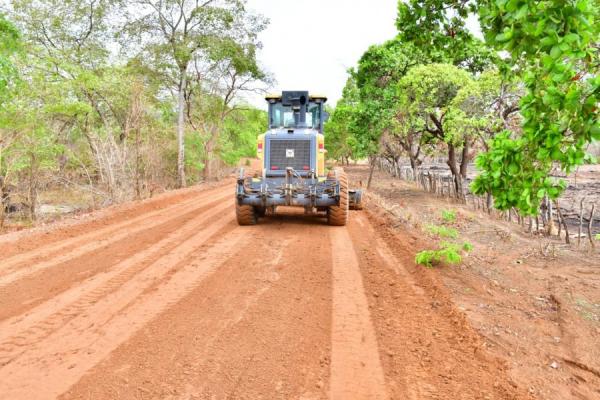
309 44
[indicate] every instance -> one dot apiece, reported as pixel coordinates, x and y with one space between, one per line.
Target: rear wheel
338 215
246 215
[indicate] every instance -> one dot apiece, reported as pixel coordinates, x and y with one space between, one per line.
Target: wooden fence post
590 223
580 222
560 216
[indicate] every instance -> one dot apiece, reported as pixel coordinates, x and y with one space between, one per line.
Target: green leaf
555 52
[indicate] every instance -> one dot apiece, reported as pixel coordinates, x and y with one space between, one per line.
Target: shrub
449 216
443 231
449 253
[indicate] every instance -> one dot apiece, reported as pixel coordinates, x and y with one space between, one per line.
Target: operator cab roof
312 97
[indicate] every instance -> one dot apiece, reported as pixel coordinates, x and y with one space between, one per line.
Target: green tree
485 107
211 95
379 70
426 96
178 34
439 30
340 130
554 46
9 43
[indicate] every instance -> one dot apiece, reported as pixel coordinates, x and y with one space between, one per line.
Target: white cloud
310 44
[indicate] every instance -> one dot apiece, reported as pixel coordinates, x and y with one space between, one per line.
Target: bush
443 231
448 253
449 216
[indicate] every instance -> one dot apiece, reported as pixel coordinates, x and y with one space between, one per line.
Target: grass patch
443 231
447 253
449 216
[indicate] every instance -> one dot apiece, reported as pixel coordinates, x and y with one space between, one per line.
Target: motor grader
292 156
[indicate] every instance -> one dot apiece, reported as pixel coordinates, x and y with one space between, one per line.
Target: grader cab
292 155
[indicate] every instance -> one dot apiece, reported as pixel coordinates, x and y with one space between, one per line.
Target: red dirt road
170 299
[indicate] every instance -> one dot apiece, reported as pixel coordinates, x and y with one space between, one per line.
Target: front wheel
338 215
246 215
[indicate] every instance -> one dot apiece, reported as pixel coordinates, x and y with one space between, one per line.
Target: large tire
338 215
246 215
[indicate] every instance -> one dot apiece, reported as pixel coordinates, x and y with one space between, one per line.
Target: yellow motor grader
292 155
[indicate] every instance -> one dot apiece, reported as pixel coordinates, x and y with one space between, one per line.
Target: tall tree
176 33
230 69
340 129
426 96
553 47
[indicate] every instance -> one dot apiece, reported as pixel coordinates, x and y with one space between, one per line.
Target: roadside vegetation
521 102
113 101
449 250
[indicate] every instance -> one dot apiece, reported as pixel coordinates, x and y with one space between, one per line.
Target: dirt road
170 299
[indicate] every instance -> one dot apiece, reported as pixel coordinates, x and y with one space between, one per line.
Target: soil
534 301
170 299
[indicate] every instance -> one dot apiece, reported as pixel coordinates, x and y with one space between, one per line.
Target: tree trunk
413 163
32 187
181 129
138 165
453 166
207 165
3 202
373 162
464 162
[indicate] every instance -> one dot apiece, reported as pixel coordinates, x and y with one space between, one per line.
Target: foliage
94 109
443 231
439 29
9 43
342 129
554 46
239 134
426 98
199 50
379 70
449 216
427 92
484 107
448 253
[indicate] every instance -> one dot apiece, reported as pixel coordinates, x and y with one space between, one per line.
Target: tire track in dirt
61 358
356 371
30 241
25 294
428 349
42 320
53 247
19 266
259 328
